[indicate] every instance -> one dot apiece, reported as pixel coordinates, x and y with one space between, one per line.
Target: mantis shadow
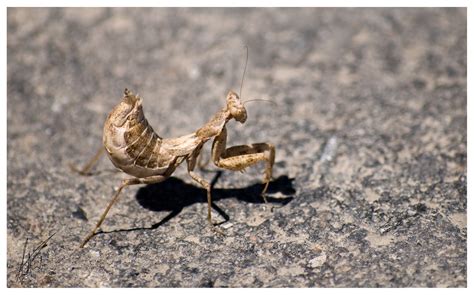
174 195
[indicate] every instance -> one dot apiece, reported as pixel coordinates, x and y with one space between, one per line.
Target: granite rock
369 127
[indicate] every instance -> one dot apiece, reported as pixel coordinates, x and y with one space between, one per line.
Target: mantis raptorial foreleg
242 156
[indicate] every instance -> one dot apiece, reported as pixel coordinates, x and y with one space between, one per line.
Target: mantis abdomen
131 143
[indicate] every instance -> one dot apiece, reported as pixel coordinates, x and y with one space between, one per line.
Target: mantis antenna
261 99
242 82
245 69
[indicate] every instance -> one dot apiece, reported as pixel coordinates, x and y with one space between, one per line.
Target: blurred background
369 127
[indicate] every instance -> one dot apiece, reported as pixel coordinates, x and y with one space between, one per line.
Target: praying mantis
136 149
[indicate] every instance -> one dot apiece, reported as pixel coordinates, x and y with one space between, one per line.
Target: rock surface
369 126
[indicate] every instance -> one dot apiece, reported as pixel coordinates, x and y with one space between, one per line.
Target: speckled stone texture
369 127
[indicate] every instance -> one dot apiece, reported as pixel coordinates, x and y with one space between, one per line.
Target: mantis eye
239 114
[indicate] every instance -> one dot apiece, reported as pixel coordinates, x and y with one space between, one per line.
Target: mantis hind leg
125 182
89 165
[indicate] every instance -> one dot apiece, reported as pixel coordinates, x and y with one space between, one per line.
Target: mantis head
236 107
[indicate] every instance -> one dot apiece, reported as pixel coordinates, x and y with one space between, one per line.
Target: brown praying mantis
133 147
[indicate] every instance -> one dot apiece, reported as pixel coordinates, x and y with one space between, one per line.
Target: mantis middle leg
204 183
